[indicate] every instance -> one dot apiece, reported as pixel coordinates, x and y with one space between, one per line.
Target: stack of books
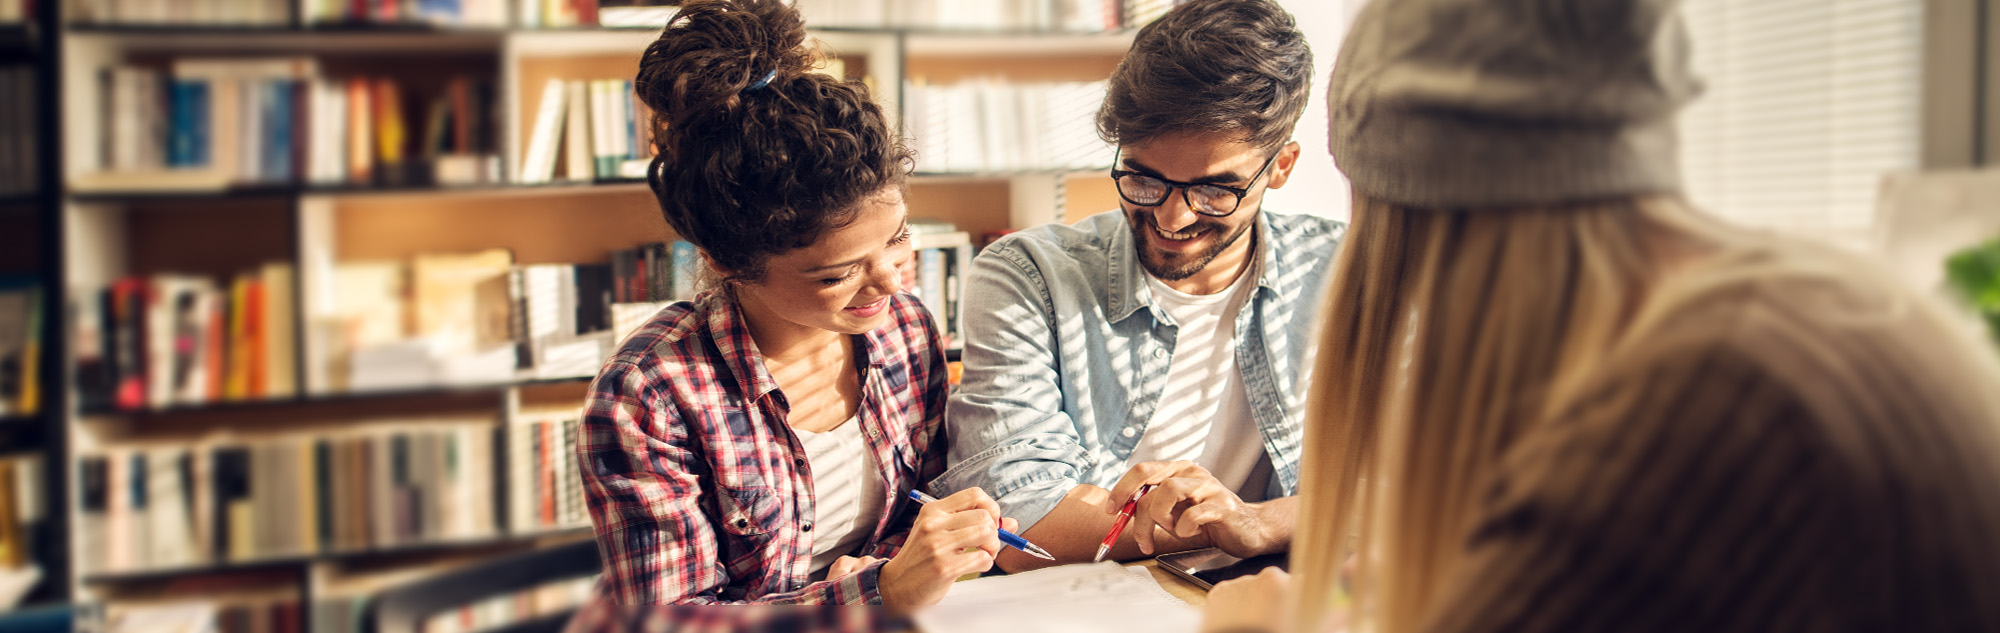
544 489
449 13
207 124
995 126
184 340
18 130
500 611
20 346
261 610
596 129
479 318
154 507
943 255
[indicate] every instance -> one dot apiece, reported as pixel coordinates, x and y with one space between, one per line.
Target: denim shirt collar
1128 290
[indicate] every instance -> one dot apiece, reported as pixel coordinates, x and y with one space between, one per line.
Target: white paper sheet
1076 598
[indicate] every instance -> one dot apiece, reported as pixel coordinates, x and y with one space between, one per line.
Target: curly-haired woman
754 444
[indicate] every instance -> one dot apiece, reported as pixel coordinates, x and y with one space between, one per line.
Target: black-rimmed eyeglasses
1207 199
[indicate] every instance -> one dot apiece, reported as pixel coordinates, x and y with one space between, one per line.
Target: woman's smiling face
842 281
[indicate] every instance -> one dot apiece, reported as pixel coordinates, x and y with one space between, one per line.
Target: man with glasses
1159 347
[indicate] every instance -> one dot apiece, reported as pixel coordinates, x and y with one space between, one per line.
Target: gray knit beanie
1495 103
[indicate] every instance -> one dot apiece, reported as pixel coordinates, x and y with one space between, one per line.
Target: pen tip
1101 551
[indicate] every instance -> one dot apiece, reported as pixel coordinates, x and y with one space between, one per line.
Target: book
20 335
538 162
578 160
372 485
687 269
461 300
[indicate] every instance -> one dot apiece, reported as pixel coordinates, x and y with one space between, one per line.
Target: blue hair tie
761 83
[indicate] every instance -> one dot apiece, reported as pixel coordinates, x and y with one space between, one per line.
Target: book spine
686 263
538 163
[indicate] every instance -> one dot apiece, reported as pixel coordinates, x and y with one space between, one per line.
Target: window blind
1808 104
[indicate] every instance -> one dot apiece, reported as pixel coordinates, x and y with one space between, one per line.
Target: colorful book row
232 501
212 123
184 340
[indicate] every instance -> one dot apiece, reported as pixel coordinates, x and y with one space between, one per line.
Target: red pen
1117 528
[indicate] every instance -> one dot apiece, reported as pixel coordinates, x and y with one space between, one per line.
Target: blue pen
1009 538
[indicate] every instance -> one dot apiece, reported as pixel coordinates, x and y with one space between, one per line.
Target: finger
1141 529
1140 475
1010 525
982 536
840 567
1164 504
967 499
1199 516
972 562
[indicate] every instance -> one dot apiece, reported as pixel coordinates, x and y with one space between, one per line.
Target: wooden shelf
222 37
282 562
971 42
335 398
285 191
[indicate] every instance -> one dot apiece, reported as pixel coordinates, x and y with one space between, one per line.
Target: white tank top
847 491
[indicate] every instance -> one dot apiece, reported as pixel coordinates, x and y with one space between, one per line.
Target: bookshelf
33 529
94 231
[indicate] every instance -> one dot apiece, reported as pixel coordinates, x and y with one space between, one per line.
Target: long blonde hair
1442 333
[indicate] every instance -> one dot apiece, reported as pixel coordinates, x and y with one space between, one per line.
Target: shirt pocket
746 512
748 521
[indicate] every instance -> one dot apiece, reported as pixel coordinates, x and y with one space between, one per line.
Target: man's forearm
1072 531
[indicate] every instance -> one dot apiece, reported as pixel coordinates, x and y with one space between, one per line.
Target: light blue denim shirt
1066 354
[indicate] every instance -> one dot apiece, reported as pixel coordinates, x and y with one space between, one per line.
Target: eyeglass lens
1149 191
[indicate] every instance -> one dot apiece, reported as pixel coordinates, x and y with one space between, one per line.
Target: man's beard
1174 266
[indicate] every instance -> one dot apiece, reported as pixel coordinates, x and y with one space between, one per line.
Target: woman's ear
1281 169
723 275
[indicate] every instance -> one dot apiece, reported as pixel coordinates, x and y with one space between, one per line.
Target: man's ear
1281 169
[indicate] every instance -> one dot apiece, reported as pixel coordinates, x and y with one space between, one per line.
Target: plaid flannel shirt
699 490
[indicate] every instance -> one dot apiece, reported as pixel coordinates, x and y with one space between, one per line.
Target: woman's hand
1250 603
848 564
952 537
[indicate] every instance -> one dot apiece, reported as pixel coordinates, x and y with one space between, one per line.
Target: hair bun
714 50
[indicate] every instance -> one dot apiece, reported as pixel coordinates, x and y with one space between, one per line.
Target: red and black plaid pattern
600 617
697 486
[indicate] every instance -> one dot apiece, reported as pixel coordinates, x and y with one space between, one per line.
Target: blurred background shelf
358 556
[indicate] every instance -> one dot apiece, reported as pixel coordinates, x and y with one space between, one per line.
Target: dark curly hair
1211 66
758 154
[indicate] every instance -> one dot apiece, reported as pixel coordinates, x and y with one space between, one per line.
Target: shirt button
799 462
1129 432
742 523
1159 353
808 527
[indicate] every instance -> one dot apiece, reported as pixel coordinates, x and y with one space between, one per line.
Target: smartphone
1206 567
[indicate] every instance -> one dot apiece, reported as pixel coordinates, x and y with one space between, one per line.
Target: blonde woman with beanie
1551 394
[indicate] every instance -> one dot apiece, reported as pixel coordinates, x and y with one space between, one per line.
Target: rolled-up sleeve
1008 432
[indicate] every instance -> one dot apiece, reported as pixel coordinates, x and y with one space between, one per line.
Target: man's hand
1187 501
